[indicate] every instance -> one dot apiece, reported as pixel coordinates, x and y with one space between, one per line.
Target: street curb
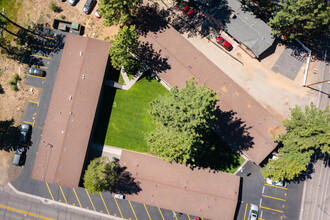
302 202
240 168
47 201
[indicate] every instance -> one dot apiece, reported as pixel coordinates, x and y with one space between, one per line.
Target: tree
184 117
305 132
101 175
301 18
118 11
124 44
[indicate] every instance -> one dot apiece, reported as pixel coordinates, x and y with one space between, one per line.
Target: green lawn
129 118
11 8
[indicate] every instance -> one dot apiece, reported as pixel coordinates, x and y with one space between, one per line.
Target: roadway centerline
161 213
118 207
104 204
50 192
35 55
273 197
63 195
280 187
132 209
77 197
24 212
275 210
90 200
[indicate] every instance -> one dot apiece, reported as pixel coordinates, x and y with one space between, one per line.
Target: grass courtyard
129 118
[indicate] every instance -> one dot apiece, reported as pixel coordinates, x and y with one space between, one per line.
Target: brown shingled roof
71 111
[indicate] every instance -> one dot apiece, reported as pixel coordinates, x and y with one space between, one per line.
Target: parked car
36 72
25 128
197 218
18 156
119 196
72 2
188 10
253 212
97 14
275 183
89 6
224 43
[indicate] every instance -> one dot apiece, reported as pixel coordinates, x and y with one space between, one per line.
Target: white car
275 183
254 211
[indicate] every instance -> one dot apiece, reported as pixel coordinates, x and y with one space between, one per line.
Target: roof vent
83 76
65 149
60 113
62 132
70 97
81 53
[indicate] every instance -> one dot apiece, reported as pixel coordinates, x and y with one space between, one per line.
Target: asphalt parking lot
46 55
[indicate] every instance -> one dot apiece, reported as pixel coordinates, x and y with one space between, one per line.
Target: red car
97 14
224 43
183 6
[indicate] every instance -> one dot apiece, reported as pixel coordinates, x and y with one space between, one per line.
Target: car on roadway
18 156
275 183
88 6
25 128
36 72
97 14
188 10
224 43
254 211
72 2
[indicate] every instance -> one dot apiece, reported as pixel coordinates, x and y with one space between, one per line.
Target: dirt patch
7 169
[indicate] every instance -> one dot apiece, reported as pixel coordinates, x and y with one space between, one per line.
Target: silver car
25 128
254 212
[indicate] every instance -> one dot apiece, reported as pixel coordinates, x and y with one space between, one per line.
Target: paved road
274 202
316 204
17 207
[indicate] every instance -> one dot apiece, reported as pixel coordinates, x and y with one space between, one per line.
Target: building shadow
269 51
239 200
126 185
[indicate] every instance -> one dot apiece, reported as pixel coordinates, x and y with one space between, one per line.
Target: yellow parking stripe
261 219
245 211
50 192
147 210
174 215
31 123
161 213
24 212
104 204
35 45
35 55
45 37
63 195
118 207
34 102
41 67
188 217
273 197
90 200
275 210
280 187
77 197
36 76
132 209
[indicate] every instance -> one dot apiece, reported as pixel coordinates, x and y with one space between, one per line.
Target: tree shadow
126 184
8 135
150 18
153 59
234 129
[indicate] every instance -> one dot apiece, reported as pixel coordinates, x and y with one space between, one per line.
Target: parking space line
261 219
275 210
280 187
188 217
35 45
77 197
273 197
45 37
36 76
35 102
132 209
90 200
31 123
174 214
245 211
104 204
41 67
35 55
50 192
147 210
118 208
25 213
161 213
63 195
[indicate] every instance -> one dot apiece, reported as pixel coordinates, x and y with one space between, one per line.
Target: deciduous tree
118 11
184 117
100 176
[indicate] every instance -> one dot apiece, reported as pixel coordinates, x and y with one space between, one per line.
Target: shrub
13 82
54 7
62 17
